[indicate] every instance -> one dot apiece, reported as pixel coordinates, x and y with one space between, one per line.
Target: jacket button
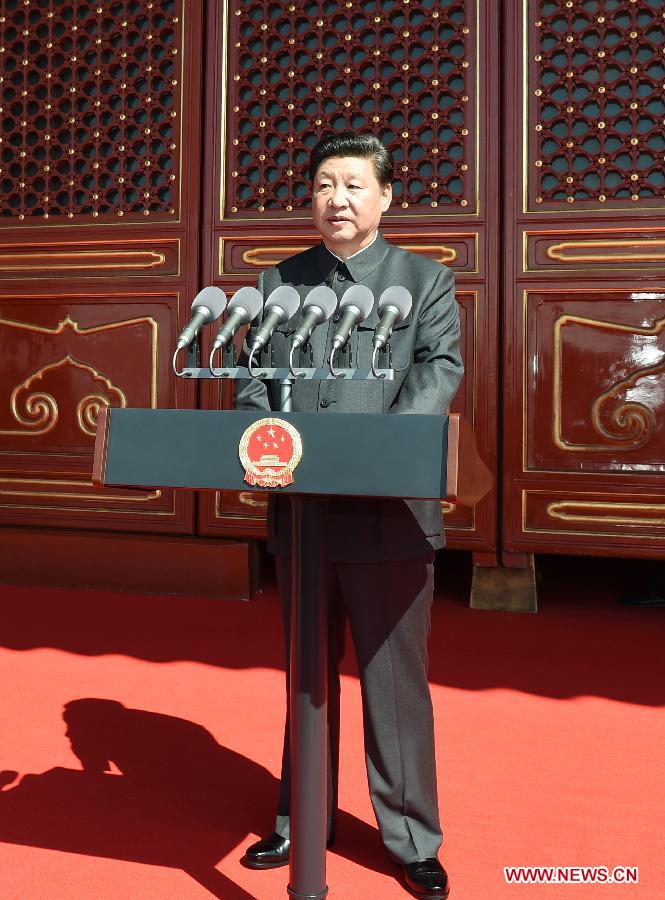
325 403
336 317
340 276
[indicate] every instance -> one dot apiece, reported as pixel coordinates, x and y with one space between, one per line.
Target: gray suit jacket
425 349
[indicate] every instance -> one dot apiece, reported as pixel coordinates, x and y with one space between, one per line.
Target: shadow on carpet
179 799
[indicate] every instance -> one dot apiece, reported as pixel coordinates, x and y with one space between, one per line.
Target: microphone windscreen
396 296
285 296
323 297
213 298
358 295
248 298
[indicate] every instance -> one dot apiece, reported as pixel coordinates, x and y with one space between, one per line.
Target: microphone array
281 305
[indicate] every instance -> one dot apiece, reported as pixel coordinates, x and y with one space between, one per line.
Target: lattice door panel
596 106
403 70
91 98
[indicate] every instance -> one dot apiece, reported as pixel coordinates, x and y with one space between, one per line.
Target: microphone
318 306
357 304
244 306
394 305
208 305
282 303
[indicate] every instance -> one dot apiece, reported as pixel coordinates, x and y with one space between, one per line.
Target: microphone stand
285 394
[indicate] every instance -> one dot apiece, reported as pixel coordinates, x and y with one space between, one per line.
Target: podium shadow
582 642
181 800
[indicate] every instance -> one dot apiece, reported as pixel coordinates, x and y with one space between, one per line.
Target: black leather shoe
426 879
271 852
268 853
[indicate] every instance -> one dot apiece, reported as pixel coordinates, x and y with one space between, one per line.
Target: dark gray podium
362 455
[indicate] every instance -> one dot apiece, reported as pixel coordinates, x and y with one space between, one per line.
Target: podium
355 455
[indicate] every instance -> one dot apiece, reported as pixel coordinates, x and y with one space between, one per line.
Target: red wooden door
99 237
584 393
423 76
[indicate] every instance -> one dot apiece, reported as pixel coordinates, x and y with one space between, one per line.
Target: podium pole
309 700
308 697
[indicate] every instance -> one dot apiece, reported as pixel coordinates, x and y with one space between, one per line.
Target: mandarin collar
359 266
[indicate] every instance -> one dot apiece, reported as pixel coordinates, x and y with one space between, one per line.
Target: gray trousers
388 606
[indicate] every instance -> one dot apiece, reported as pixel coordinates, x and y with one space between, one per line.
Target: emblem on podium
269 451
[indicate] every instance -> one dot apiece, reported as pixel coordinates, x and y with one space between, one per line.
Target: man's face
347 203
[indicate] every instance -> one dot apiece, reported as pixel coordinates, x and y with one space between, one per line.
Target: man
381 551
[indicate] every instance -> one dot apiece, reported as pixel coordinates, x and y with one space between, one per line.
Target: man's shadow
180 799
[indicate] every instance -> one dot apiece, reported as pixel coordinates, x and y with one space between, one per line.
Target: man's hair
363 145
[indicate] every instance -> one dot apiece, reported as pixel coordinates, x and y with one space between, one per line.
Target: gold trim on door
68 322
573 511
558 251
643 417
62 261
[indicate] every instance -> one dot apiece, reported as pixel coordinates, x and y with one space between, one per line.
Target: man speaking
381 551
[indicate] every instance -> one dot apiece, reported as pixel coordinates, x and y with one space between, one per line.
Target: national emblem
269 451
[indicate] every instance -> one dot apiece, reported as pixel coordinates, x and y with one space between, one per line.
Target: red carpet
550 738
